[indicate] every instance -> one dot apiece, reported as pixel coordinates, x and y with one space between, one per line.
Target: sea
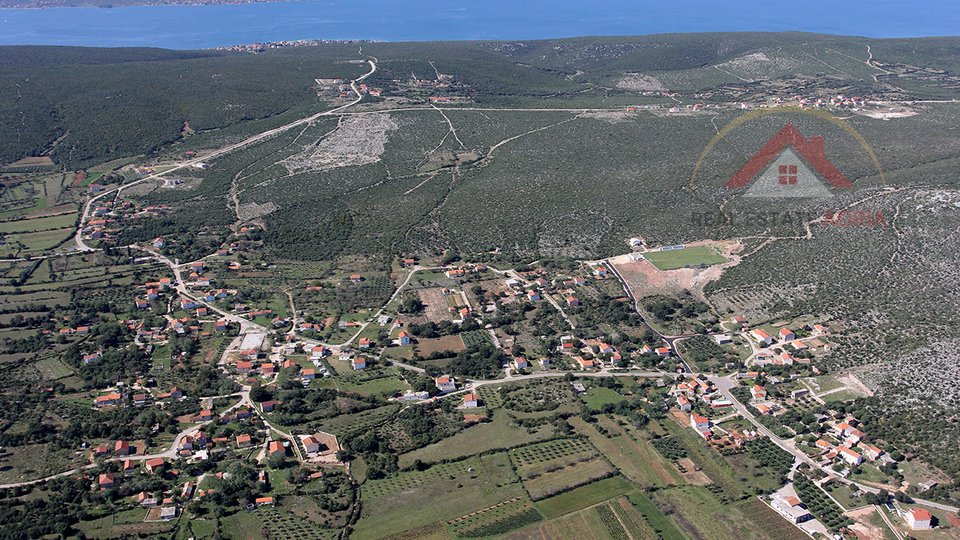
195 27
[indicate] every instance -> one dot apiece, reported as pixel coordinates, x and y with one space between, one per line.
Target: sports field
680 258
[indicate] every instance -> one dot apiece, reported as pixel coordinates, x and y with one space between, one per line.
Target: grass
414 499
598 396
682 258
575 474
499 433
38 241
635 459
38 224
662 525
585 496
699 514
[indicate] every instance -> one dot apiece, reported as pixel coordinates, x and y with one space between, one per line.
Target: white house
761 337
851 457
919 519
445 383
471 400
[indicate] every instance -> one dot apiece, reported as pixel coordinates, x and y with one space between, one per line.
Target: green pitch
679 258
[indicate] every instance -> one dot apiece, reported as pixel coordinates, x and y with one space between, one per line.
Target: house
824 445
851 457
520 363
244 366
141 304
853 436
121 448
572 301
786 335
445 384
545 362
168 513
139 400
605 348
105 481
268 406
364 343
276 447
471 400
800 392
159 243
683 404
244 441
403 337
128 465
870 452
819 330
205 415
107 400
662 352
919 519
701 424
600 271
263 501
762 338
584 363
311 445
758 392
308 374
840 429
186 443
359 363
455 273
791 508
155 465
722 339
88 358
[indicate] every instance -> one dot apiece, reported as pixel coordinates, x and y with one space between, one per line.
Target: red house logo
789 165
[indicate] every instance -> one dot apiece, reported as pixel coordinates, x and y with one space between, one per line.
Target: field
499 433
449 489
426 347
633 456
683 258
583 497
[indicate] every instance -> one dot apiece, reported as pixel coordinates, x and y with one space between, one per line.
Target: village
446 315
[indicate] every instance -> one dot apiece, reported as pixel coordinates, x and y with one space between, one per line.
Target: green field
686 257
585 496
414 499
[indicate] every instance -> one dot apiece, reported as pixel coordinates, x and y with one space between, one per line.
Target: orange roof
919 514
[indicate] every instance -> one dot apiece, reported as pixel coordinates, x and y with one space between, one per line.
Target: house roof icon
789 146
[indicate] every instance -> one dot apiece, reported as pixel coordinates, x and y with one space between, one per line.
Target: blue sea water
188 27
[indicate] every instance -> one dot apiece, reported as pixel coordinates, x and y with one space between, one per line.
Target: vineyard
496 520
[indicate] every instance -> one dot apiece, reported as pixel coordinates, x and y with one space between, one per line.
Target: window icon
788 175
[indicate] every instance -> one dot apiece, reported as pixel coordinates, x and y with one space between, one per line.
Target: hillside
507 153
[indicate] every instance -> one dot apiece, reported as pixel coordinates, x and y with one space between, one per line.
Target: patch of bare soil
638 82
251 210
862 526
358 140
645 279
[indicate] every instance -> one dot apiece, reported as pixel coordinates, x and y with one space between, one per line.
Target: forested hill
113 103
